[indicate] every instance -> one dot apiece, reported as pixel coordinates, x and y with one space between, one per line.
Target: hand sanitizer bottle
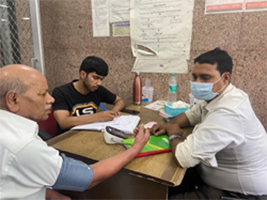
147 91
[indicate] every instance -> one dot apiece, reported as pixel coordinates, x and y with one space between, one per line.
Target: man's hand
117 113
105 116
158 129
141 137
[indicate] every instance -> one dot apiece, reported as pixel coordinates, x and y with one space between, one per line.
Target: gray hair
14 84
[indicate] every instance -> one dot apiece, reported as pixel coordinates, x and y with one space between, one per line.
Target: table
143 178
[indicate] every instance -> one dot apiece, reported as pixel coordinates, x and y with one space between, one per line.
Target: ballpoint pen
103 107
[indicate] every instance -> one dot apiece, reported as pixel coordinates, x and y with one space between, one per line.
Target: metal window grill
16 43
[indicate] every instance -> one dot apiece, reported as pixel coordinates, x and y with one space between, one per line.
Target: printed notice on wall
100 16
121 29
161 35
255 5
223 6
230 6
119 10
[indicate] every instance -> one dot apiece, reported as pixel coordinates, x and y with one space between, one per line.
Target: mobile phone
134 112
116 132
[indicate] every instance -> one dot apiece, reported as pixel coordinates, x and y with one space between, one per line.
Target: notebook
155 145
126 123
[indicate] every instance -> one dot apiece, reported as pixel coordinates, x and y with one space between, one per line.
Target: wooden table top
160 168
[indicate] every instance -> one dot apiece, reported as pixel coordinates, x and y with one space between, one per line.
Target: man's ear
12 101
227 77
83 74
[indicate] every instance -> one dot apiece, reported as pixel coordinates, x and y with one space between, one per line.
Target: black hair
94 64
217 56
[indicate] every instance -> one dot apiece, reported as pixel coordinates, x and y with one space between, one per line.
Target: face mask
203 91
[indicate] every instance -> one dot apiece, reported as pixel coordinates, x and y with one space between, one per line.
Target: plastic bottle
172 90
147 91
137 89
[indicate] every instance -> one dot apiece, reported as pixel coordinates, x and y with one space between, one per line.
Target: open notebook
126 123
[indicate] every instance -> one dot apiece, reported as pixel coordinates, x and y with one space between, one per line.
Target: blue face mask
203 91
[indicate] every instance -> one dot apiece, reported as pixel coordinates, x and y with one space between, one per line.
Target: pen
103 107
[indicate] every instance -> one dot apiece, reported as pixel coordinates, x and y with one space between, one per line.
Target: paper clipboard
155 145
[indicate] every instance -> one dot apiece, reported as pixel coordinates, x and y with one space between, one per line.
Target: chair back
49 125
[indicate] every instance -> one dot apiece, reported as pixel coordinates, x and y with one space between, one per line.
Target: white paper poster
100 16
119 10
161 35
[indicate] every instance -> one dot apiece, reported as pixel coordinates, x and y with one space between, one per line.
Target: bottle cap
137 73
173 74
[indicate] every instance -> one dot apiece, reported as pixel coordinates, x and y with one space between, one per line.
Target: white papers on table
126 123
157 105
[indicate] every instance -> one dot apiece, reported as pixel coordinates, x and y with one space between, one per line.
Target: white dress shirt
229 143
27 164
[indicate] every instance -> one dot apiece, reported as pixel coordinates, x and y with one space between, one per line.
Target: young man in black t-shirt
76 103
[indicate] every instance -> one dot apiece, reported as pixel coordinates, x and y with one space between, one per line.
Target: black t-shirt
68 98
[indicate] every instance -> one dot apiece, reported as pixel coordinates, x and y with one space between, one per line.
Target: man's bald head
24 91
17 78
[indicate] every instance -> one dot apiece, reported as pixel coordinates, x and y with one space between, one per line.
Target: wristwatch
175 136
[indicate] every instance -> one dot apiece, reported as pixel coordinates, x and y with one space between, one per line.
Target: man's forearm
115 163
181 120
70 122
119 105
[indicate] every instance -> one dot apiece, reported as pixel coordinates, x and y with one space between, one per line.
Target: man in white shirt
28 165
228 144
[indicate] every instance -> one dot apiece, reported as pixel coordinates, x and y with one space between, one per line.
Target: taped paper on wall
161 35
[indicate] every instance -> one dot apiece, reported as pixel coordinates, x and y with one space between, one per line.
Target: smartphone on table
129 111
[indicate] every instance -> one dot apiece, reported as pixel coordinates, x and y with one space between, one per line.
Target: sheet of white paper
150 124
160 65
119 10
161 30
100 17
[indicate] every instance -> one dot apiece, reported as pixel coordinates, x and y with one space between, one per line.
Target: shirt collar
216 100
28 125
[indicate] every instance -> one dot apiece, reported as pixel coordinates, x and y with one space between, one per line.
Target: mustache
48 107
